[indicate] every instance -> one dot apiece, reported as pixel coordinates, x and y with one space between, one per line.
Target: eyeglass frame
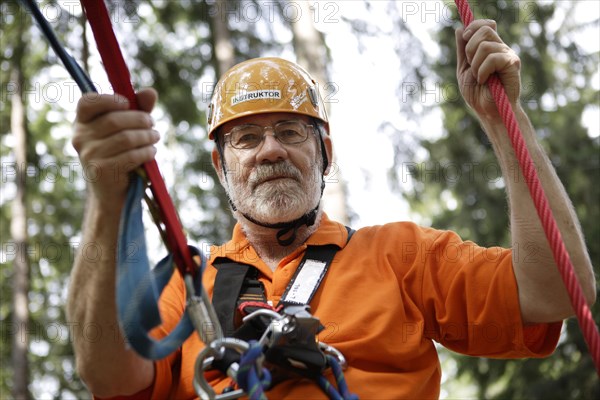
272 127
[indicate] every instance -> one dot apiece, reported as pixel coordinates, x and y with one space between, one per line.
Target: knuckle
143 119
86 105
149 135
149 153
76 142
126 139
488 30
488 47
85 154
516 63
111 122
86 150
135 158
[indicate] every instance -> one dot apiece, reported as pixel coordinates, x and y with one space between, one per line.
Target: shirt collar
329 232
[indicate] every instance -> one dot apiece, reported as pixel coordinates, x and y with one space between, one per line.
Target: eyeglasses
249 136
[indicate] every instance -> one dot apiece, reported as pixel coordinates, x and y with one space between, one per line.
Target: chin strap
290 228
285 228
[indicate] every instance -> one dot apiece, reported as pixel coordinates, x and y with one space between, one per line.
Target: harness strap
139 287
228 284
233 276
309 275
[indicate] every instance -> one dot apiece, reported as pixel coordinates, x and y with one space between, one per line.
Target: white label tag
256 95
306 282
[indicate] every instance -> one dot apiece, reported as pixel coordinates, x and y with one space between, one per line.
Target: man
390 291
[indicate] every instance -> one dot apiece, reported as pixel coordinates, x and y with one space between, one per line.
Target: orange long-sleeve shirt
388 295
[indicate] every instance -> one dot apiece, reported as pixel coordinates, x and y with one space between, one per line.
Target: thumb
461 57
146 99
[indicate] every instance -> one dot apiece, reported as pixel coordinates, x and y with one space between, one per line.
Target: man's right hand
112 141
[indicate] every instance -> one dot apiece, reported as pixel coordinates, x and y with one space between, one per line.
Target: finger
116 144
105 126
461 58
92 105
125 162
146 99
485 50
496 62
126 141
130 160
478 24
484 34
117 121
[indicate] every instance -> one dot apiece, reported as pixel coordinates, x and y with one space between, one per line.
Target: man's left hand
481 53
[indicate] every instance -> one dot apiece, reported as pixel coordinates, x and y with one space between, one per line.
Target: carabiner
215 351
202 313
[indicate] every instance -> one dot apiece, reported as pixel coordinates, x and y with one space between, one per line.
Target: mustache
282 169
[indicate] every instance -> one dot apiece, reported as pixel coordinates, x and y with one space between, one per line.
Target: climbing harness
285 336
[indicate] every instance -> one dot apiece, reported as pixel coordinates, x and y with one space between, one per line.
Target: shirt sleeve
470 301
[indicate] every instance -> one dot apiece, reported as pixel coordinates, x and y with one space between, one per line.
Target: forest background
407 148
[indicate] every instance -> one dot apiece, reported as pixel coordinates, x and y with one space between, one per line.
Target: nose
270 150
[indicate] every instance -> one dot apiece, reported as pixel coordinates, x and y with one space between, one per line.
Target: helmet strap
224 168
320 134
288 230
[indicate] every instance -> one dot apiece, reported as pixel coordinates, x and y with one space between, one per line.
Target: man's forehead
264 119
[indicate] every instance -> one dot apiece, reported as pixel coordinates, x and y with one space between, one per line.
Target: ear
216 162
329 151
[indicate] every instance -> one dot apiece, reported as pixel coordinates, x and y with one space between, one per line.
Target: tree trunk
223 49
18 228
312 55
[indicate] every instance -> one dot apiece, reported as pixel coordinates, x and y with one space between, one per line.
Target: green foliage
459 186
54 204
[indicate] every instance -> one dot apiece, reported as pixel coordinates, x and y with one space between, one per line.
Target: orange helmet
264 85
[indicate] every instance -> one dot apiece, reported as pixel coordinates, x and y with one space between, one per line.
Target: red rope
119 77
561 256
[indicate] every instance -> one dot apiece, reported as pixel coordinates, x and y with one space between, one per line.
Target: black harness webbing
228 286
235 281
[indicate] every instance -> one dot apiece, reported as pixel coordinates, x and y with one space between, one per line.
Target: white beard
280 200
